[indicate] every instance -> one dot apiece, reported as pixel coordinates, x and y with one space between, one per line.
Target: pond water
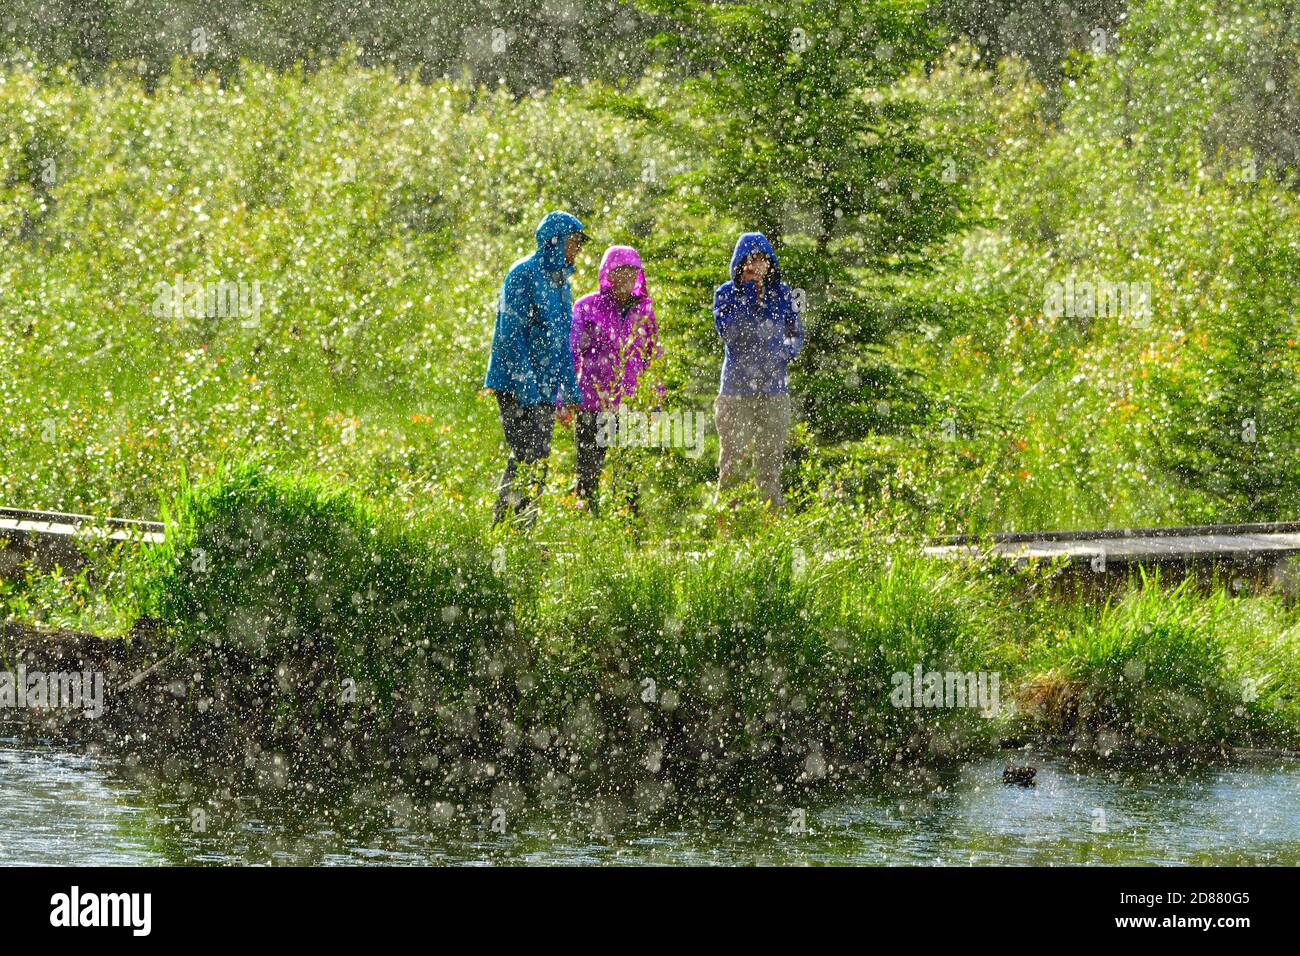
60 806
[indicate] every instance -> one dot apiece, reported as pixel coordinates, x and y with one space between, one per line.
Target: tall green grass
766 648
292 578
486 655
1171 665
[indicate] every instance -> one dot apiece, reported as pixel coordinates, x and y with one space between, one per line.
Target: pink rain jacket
611 346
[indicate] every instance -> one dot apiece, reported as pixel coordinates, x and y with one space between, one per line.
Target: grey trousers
751 440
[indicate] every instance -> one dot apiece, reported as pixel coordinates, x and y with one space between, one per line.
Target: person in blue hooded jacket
757 315
531 370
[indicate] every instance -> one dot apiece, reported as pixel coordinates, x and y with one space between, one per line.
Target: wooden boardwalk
47 538
1252 548
50 537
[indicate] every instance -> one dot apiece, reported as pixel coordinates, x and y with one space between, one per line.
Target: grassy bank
311 627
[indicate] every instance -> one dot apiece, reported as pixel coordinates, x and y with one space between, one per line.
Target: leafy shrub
285 573
1168 666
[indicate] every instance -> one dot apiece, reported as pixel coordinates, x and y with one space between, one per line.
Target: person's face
571 246
622 280
754 267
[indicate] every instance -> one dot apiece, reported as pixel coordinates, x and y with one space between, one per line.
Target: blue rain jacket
531 358
759 341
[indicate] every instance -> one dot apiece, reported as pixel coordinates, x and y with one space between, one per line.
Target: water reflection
60 807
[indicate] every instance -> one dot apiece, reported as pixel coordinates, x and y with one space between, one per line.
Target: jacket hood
616 256
552 231
754 242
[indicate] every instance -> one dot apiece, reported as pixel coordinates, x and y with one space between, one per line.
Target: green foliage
1088 419
64 600
744 656
379 215
518 43
799 132
798 129
1231 429
1166 665
769 642
753 657
285 572
1041 33
1224 76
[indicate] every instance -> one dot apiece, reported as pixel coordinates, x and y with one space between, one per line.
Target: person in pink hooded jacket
613 337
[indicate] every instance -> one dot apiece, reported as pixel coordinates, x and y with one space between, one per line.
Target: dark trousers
528 431
587 439
591 457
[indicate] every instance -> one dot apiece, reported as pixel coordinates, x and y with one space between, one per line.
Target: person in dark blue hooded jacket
757 315
531 369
